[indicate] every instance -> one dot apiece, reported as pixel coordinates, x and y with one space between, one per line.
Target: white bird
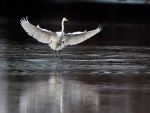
57 40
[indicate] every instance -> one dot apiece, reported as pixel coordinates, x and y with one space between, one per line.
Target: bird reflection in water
59 94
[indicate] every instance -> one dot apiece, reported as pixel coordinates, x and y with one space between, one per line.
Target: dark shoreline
124 24
98 12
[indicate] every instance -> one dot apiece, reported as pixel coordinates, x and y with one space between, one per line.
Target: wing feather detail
42 35
78 37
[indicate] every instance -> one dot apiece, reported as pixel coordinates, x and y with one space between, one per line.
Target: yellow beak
66 19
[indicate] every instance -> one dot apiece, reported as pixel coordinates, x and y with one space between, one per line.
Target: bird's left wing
42 35
78 37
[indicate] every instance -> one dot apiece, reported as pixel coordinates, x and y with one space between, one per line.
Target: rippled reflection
90 79
110 78
58 94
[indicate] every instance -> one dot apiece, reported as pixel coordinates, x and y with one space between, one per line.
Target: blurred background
132 15
112 11
109 73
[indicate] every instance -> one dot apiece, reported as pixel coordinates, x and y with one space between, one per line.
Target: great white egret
57 40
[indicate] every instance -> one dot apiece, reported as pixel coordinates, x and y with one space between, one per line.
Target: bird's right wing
78 37
42 35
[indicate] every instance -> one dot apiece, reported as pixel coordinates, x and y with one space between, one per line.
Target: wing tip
24 20
100 27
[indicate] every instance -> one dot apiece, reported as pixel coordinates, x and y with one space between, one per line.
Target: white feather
42 35
57 40
78 37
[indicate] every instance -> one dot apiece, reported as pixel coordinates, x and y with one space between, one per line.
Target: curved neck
62 26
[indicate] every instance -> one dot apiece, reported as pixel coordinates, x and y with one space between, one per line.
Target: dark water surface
91 79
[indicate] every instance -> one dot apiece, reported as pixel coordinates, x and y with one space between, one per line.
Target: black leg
55 53
60 55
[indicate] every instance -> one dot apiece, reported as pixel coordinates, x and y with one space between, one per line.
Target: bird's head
64 19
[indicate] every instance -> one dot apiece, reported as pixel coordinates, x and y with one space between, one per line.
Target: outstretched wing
42 35
78 37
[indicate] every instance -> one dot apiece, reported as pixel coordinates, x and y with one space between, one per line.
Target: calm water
90 79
